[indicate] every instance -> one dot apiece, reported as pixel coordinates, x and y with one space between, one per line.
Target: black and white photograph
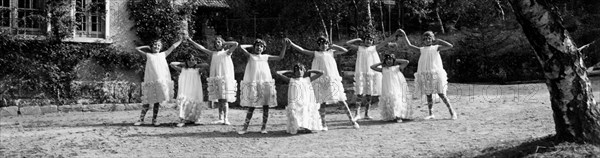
299 78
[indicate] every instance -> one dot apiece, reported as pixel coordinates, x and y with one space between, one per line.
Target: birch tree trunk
322 20
369 17
576 114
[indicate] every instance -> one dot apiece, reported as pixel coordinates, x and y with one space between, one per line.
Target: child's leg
452 113
430 106
145 108
322 114
367 106
361 102
225 112
249 114
155 114
350 115
265 119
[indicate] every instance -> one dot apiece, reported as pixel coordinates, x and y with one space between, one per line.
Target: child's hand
401 32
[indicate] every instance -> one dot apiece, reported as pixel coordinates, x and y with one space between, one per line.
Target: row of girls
309 89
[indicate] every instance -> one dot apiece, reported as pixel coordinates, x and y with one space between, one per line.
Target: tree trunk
382 18
322 20
576 114
369 17
436 6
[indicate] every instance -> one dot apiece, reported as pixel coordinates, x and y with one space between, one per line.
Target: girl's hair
190 57
219 38
386 57
300 66
368 36
428 33
322 40
259 41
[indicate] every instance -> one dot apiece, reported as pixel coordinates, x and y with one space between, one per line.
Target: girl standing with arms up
328 88
221 82
367 83
189 90
431 78
302 109
157 86
394 97
258 86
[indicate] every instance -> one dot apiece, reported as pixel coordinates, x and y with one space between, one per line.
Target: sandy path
489 115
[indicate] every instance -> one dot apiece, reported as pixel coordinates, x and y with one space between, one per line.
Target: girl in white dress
302 109
222 86
157 86
394 95
367 83
328 88
431 77
258 86
189 91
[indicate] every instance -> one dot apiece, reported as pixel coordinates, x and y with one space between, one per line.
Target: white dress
302 109
367 81
221 81
258 86
430 78
189 94
157 86
394 97
328 88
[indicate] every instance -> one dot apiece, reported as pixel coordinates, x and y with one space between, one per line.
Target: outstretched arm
282 54
339 50
407 42
318 73
387 40
176 65
139 50
232 46
351 42
280 74
244 49
175 45
301 50
202 49
444 45
376 67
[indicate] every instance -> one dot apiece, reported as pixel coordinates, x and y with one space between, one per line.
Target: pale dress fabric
367 81
189 94
394 99
258 86
302 109
430 78
157 86
221 80
328 88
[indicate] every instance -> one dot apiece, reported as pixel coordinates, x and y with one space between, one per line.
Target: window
90 19
27 17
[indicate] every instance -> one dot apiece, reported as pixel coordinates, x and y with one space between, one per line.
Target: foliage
159 19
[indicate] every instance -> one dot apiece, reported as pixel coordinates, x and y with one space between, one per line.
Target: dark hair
322 40
259 41
368 36
389 56
429 33
299 66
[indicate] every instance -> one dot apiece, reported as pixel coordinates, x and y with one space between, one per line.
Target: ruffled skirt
258 94
221 88
329 89
157 91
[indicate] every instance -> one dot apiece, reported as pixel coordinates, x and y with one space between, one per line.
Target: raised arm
175 45
202 49
244 49
351 42
139 50
280 74
376 67
339 50
402 62
282 54
387 40
318 73
176 65
407 42
300 49
232 46
444 45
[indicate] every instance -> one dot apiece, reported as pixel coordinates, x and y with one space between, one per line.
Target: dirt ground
489 115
